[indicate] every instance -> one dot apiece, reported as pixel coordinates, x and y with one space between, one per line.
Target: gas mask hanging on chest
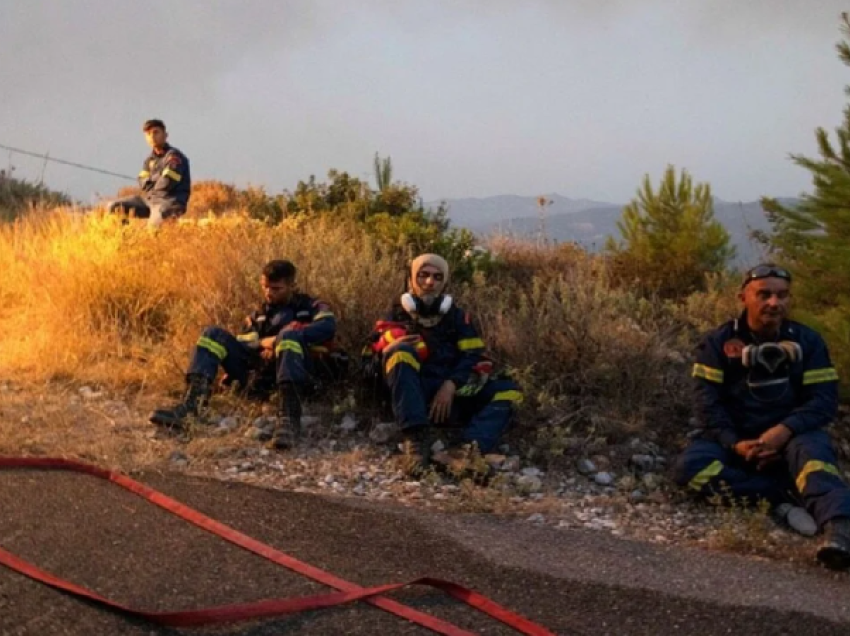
771 355
768 366
425 311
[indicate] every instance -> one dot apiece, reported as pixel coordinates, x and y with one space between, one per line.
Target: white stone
229 423
349 423
603 479
383 432
531 471
529 484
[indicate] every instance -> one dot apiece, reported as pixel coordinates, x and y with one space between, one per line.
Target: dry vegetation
87 300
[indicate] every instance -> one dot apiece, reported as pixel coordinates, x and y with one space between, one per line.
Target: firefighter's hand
267 354
267 343
766 458
775 438
441 405
749 449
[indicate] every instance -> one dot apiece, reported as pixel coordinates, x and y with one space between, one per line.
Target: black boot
288 430
415 447
834 552
197 395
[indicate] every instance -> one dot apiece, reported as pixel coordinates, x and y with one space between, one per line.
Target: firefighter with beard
765 392
433 362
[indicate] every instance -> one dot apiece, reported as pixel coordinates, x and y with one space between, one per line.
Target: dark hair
279 270
153 123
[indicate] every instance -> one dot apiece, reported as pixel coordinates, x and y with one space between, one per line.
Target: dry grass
84 299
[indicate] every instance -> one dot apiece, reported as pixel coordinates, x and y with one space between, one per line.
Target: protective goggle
765 271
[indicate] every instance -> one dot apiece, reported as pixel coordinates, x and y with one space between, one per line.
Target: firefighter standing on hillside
432 360
165 180
288 342
765 392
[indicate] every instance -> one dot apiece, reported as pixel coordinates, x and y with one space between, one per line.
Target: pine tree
670 237
813 237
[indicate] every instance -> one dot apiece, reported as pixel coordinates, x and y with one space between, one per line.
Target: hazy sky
470 98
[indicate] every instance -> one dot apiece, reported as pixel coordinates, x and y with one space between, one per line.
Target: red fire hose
347 592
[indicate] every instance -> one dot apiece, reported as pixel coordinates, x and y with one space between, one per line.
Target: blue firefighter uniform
738 399
304 329
166 182
483 402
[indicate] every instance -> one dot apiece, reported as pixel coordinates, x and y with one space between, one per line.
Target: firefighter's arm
172 172
144 177
323 325
819 392
250 334
709 393
470 347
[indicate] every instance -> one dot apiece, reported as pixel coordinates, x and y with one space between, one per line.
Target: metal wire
46 158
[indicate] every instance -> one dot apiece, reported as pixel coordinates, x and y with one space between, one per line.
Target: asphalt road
573 582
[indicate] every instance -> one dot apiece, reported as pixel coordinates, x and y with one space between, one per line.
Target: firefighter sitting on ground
765 392
432 360
165 180
289 341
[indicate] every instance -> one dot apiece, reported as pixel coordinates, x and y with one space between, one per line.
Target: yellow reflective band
508 396
252 336
323 314
144 174
816 376
470 343
168 172
708 373
215 348
319 349
289 345
402 357
703 476
813 466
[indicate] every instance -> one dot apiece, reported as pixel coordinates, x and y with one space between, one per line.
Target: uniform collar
165 149
741 327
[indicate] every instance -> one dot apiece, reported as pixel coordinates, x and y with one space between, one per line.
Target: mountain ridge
589 222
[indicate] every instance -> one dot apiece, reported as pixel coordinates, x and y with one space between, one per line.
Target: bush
17 196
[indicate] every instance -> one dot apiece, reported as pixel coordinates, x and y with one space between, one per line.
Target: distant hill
484 212
591 222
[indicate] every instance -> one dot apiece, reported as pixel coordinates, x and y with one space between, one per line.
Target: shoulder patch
733 348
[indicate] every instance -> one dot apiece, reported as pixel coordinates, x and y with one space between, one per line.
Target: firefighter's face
156 137
767 301
277 292
429 281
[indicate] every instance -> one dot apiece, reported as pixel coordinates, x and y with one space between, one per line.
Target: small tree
813 238
670 237
383 172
